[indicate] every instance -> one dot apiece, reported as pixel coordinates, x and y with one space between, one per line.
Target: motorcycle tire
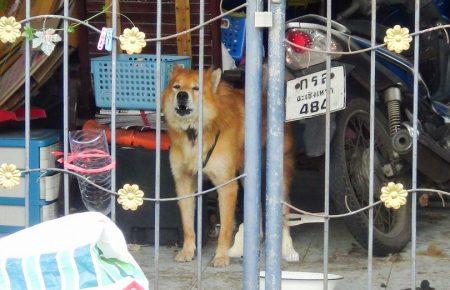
350 176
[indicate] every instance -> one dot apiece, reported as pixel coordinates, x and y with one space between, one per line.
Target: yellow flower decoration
132 40
397 39
393 195
130 197
9 29
9 175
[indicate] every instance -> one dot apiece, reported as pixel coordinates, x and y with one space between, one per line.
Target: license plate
306 96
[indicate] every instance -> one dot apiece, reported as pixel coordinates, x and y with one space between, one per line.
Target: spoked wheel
350 165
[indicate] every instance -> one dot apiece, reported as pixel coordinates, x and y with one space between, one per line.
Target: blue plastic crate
135 78
233 35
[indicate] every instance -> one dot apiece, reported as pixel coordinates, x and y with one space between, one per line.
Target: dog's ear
176 70
215 79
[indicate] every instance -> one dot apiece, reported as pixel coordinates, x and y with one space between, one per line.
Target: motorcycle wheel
349 177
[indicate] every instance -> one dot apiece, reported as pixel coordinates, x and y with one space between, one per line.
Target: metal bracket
294 219
263 19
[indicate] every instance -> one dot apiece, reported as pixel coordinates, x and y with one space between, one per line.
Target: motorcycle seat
363 28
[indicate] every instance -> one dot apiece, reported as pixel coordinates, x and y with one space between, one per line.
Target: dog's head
180 97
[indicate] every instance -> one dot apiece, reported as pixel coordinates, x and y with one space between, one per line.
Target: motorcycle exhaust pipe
433 161
402 141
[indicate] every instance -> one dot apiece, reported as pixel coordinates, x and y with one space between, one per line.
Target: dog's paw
290 255
184 255
287 248
237 250
221 261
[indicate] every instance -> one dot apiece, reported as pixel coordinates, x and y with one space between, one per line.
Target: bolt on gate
256 21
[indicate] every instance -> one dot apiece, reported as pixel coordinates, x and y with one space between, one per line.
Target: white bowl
302 280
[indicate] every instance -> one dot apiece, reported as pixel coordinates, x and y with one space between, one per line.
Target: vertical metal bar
275 141
27 117
113 107
253 109
371 145
326 226
66 104
158 140
414 151
201 53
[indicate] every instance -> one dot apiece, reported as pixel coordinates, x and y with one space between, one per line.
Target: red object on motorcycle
299 38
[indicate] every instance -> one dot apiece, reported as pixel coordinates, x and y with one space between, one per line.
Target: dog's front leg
185 184
227 206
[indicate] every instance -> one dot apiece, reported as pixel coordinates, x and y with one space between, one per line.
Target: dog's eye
176 86
195 88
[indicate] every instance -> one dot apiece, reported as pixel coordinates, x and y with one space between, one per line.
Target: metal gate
274 20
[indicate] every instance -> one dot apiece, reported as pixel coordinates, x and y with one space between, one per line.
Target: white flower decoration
47 40
397 39
9 175
9 29
130 197
393 195
132 40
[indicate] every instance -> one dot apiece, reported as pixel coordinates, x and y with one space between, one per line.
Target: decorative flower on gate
397 39
9 175
47 40
9 29
130 197
132 40
393 195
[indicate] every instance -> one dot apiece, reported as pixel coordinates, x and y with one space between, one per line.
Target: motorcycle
350 118
350 104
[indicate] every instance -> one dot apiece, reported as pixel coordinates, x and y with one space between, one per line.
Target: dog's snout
182 98
182 108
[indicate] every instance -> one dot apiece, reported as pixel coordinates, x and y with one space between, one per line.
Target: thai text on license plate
306 96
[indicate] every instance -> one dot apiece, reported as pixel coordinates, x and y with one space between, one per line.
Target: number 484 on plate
306 96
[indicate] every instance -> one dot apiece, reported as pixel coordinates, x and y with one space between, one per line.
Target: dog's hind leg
227 206
287 248
185 184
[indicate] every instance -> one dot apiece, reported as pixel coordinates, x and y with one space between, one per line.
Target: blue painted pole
253 109
275 136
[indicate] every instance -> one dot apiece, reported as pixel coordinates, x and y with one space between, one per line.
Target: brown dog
223 152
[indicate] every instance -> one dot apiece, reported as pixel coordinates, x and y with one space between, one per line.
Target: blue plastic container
233 35
135 77
12 150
